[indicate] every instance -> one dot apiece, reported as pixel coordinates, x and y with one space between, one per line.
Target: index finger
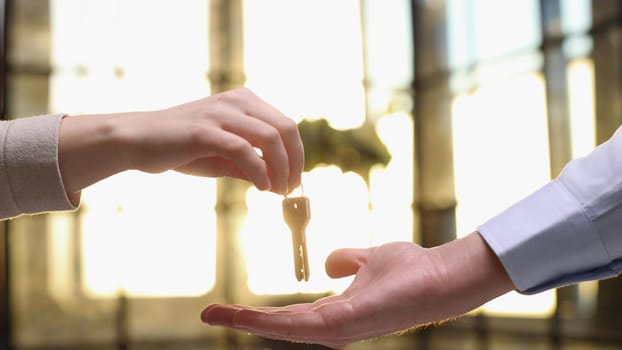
287 128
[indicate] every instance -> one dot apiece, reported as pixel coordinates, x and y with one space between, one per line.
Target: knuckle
198 136
239 147
195 134
289 127
236 95
270 136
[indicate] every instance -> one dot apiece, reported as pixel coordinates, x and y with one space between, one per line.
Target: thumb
346 262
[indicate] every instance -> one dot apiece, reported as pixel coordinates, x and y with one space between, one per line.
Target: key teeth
301 275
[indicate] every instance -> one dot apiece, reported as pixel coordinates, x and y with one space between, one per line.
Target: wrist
91 148
474 273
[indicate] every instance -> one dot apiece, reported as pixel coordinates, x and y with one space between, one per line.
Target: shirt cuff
546 241
31 160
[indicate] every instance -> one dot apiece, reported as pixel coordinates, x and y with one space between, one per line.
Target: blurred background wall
421 120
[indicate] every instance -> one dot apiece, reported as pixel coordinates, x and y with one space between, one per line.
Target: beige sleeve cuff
30 179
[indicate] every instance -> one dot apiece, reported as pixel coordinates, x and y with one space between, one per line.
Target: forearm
91 148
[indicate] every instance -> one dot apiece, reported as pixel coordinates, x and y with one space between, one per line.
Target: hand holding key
297 214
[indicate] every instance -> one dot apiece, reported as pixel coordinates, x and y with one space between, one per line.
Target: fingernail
219 315
266 186
205 312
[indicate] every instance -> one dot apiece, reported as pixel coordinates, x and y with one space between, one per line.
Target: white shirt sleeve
568 231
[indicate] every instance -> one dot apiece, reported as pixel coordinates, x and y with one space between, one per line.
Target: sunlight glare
581 100
149 246
391 187
307 59
147 235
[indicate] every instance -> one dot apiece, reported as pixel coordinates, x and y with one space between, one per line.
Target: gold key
297 214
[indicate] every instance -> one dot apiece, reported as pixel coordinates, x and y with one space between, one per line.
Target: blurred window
138 230
494 51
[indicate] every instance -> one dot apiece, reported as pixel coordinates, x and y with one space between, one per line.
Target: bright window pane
308 59
503 27
388 38
576 15
391 187
581 99
149 235
501 155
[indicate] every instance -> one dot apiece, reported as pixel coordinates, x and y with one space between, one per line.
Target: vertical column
434 199
554 70
607 56
226 45
434 192
27 70
5 311
558 114
227 72
3 36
